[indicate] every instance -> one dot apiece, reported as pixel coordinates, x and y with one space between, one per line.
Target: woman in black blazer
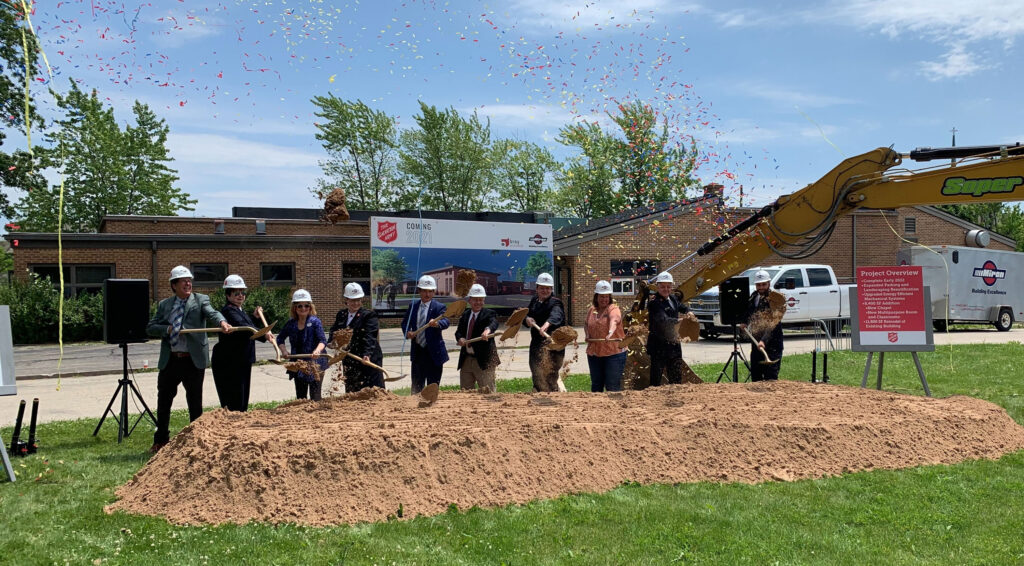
365 342
234 354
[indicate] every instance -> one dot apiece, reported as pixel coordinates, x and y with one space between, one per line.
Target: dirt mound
362 457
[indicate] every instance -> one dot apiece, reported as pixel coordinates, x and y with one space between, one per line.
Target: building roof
364 215
448 267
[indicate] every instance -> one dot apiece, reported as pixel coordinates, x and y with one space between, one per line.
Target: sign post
7 385
890 310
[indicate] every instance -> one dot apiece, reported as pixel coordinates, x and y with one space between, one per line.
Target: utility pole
953 161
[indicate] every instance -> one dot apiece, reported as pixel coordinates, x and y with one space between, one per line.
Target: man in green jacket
183 357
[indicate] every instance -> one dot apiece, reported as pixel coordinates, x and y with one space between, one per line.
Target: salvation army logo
387 232
791 301
989 273
894 337
538 239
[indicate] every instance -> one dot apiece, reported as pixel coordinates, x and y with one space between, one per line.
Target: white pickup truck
814 294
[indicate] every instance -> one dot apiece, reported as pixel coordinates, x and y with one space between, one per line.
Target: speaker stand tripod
125 387
734 359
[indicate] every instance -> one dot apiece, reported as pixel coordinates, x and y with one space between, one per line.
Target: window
277 273
795 274
910 224
356 272
209 273
640 268
623 285
78 279
818 277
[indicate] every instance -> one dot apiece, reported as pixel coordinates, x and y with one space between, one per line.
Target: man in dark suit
663 340
183 357
477 361
427 353
365 341
764 327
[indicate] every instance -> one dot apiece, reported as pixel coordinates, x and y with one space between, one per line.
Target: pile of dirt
363 457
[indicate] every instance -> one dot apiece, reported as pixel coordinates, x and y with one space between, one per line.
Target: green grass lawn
969 513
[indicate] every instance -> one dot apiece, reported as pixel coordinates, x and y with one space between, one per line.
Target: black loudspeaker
734 294
125 310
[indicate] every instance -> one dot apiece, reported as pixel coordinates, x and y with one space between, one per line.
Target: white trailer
980 285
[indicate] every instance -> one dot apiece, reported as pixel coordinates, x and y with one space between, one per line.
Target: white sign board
7 386
507 258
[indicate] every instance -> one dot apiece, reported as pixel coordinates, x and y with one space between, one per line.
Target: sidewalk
87 396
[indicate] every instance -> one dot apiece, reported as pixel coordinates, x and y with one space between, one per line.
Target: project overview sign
507 258
891 310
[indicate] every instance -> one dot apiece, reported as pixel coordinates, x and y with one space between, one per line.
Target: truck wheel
1005 320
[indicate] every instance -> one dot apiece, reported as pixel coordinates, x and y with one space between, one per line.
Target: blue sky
775 94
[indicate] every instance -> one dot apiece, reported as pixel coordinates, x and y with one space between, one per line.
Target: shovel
453 310
767 360
273 342
546 336
342 354
255 333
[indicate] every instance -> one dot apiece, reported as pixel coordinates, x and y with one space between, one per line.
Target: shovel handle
426 326
277 349
767 359
218 329
542 333
479 339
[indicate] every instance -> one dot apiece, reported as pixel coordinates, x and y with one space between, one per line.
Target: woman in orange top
604 327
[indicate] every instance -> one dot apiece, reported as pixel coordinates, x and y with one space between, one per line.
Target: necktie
469 329
176 316
422 338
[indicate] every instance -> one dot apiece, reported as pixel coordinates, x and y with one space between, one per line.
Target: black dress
233 356
365 342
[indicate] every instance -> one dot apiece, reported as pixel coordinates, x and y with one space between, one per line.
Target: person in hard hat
768 335
427 353
604 355
547 313
479 360
234 354
183 357
306 334
365 341
663 341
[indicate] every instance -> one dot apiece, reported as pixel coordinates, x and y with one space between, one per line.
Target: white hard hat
546 279
234 282
762 276
301 295
603 288
664 277
427 282
354 291
180 272
477 290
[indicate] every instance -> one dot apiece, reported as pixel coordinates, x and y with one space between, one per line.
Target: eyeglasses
239 293
303 306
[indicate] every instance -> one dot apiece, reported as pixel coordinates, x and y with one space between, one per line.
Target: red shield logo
387 232
893 337
791 302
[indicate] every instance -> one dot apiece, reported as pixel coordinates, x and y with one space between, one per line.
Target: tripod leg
104 417
7 462
122 425
145 409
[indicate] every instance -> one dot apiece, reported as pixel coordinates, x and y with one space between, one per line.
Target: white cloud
956 63
241 155
789 97
945 21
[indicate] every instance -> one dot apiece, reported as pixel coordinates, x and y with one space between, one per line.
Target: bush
34 306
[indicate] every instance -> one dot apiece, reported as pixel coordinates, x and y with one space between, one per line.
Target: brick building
291 248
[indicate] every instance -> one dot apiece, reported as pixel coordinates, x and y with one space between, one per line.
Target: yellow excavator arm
797 225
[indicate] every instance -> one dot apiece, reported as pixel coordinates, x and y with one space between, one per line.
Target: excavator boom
799 224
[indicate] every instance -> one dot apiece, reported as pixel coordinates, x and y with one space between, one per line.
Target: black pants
233 379
312 387
424 372
764 372
665 359
544 366
359 376
179 370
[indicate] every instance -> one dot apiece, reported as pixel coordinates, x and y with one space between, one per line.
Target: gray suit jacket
198 314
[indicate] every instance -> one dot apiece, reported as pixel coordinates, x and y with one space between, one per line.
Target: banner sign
891 311
7 385
507 258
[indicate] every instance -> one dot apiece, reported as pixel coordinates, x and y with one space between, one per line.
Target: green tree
538 263
587 184
17 170
636 165
998 217
361 143
519 174
388 265
106 170
446 161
